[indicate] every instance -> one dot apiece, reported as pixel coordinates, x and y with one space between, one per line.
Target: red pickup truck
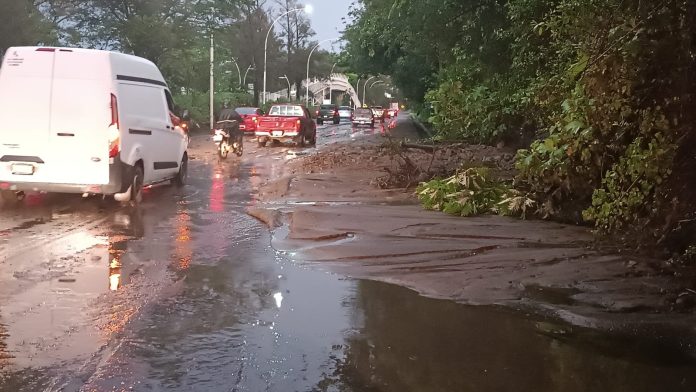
287 122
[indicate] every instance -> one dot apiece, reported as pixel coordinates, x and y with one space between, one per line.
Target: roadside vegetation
597 94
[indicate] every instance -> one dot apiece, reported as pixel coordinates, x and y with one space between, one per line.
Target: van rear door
80 117
55 111
25 102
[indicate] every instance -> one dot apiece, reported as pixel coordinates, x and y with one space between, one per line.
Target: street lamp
309 57
357 92
331 82
365 85
307 9
288 80
376 82
247 71
239 73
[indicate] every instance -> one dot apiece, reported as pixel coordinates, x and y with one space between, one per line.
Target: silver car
345 111
363 117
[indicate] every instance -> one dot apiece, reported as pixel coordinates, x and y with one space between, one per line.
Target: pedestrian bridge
319 89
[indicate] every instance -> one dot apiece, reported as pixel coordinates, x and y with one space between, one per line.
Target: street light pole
308 9
239 73
212 81
309 57
357 92
245 73
331 83
288 80
365 85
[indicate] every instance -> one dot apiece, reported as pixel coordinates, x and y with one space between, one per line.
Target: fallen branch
419 147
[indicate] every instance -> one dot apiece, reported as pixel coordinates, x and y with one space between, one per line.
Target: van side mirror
185 115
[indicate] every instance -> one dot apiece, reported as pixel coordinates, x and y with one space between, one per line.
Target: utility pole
212 82
331 83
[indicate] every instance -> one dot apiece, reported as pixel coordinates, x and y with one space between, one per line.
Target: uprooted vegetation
457 178
411 163
472 191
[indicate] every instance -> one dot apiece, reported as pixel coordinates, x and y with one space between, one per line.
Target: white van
86 121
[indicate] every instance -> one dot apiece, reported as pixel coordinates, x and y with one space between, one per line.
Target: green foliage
631 191
605 87
21 23
198 104
472 192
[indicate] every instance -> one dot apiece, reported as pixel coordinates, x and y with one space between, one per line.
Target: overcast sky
326 18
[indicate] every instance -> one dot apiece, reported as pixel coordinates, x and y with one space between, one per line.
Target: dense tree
296 33
604 84
21 23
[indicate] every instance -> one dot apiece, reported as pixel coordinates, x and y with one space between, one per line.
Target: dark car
328 113
251 117
363 116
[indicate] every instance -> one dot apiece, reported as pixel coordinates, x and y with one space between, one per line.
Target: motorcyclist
229 121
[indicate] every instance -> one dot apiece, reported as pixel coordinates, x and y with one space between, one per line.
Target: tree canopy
601 89
175 35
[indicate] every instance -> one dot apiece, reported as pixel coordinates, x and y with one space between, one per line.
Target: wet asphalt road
185 293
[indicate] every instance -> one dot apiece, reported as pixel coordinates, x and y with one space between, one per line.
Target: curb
422 130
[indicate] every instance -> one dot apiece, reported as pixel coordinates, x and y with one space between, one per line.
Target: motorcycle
223 139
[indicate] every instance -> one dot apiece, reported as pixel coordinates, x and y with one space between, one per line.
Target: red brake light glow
114 138
114 111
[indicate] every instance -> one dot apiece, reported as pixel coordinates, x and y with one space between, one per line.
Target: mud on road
191 293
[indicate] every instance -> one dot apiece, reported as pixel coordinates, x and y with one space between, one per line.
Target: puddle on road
241 317
248 319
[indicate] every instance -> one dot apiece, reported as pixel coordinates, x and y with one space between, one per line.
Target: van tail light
114 132
298 124
317 113
113 143
114 111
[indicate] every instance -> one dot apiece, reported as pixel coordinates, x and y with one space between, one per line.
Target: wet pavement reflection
186 294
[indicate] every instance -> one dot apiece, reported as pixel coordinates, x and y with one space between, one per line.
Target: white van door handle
66 134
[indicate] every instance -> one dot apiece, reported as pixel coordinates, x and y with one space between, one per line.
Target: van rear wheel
182 176
137 186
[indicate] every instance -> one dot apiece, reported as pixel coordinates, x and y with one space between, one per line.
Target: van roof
121 63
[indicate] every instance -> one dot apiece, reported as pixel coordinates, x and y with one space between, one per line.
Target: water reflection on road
186 294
